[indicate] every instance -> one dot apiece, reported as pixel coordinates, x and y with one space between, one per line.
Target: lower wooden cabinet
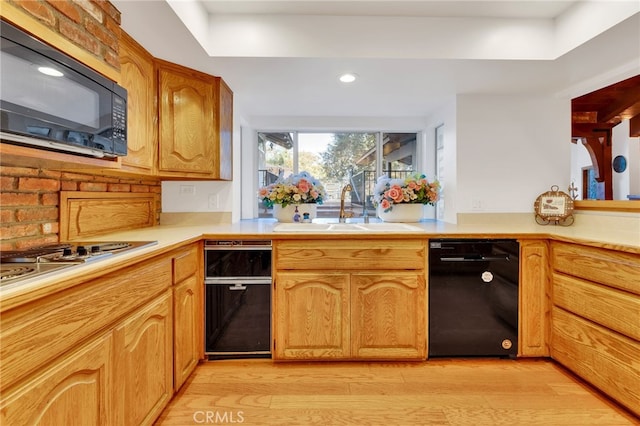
595 322
188 311
534 303
187 329
144 366
102 352
388 315
312 317
77 390
350 315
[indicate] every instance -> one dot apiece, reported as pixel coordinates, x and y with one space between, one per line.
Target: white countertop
616 232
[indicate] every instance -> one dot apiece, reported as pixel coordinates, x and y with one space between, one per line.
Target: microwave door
32 82
49 100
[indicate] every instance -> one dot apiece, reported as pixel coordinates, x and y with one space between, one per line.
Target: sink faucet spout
344 215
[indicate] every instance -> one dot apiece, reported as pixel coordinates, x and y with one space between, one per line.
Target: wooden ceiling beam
634 126
626 105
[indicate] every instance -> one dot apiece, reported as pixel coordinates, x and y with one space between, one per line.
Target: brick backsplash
93 25
30 201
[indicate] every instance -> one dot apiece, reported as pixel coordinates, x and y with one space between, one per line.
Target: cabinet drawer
612 268
349 255
602 357
185 263
615 309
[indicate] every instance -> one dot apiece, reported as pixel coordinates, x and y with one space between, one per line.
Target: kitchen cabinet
180 121
138 77
188 318
595 318
101 349
388 315
76 390
368 303
312 315
188 143
144 367
534 310
224 130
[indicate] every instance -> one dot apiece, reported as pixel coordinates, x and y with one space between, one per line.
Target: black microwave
51 101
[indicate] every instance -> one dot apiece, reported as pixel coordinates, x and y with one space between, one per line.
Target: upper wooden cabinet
225 130
187 122
138 77
180 121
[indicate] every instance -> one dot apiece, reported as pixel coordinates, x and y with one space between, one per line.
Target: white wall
501 152
249 150
196 196
510 149
446 116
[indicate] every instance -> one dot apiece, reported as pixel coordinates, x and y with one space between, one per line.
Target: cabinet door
534 298
187 328
311 315
388 315
225 131
137 76
144 369
74 391
186 122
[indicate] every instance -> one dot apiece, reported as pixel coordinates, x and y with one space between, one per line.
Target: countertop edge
171 237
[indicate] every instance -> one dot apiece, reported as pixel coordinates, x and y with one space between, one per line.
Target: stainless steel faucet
344 215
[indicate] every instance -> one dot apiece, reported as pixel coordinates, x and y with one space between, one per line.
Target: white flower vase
288 213
402 213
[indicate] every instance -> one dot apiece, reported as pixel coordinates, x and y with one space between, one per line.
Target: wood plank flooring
437 392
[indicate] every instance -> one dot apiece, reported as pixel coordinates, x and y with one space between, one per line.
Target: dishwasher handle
474 258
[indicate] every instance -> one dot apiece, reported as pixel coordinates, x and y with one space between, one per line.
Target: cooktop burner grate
8 272
25 265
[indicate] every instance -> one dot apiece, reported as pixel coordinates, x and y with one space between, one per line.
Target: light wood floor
437 392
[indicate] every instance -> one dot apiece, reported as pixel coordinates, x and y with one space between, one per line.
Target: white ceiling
282 58
443 8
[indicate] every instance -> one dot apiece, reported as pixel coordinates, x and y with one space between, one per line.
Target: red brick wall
91 24
30 200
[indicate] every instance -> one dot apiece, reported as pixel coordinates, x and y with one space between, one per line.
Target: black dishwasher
473 297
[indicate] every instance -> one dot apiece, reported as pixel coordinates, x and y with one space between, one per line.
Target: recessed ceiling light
50 71
348 78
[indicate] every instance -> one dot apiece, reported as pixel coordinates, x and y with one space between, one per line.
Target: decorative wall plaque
554 207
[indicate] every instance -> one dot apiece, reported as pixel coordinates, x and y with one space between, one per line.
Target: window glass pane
336 159
351 158
275 158
398 154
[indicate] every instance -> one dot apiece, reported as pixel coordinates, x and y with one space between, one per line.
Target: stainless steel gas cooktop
22 265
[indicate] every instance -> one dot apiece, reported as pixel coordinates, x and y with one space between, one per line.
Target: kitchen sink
346 227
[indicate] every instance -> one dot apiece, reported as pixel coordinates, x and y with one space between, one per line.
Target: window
336 159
